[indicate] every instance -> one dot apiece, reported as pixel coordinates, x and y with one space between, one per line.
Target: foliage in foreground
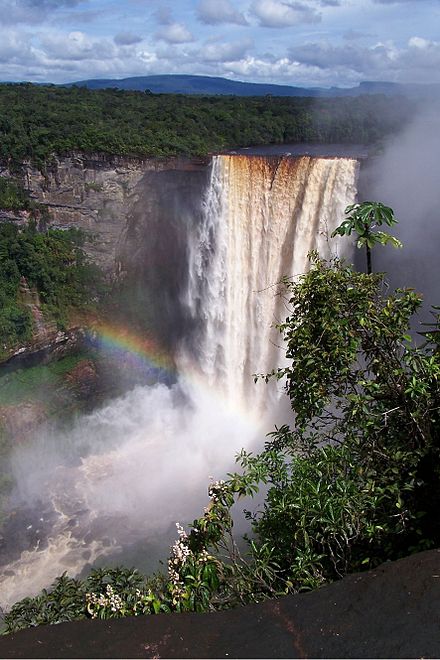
352 484
364 219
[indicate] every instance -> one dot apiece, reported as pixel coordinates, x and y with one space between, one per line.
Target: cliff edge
390 612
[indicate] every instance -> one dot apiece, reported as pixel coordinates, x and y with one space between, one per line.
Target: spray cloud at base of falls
131 469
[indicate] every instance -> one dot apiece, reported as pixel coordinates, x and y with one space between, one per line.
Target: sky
295 42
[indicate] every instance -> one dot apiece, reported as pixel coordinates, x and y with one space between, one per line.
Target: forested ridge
37 121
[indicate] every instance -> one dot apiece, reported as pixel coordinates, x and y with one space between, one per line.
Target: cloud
31 11
226 52
15 13
65 49
54 56
283 13
48 4
419 61
175 33
76 46
276 70
250 66
14 46
422 57
397 2
87 16
44 9
172 32
126 38
419 42
326 55
214 12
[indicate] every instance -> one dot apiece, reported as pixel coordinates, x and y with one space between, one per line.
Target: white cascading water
144 460
262 216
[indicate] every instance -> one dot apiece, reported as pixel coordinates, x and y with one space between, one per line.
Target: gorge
197 249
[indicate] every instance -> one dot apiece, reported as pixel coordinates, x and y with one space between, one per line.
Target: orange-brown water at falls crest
126 473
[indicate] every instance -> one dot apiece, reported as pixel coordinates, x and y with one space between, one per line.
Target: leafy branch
363 219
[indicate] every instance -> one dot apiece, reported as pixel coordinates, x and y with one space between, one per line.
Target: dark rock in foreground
391 612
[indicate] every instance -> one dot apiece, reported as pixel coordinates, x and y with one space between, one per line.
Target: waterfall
119 479
261 217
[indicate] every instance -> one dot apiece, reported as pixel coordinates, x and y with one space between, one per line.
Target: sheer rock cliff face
97 194
135 215
153 251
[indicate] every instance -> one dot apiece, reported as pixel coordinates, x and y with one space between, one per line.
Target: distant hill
206 85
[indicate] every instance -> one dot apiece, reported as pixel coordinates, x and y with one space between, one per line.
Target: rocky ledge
391 612
52 346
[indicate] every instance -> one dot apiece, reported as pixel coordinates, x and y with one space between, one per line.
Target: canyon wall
121 204
96 194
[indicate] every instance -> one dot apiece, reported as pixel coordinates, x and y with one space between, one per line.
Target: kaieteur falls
110 488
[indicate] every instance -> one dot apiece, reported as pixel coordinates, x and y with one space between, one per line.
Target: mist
121 476
407 177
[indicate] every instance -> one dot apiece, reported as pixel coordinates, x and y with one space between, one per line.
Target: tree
363 219
355 481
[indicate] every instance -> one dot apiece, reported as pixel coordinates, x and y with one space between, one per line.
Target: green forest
54 265
37 121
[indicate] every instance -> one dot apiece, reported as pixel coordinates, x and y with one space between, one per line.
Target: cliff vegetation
49 266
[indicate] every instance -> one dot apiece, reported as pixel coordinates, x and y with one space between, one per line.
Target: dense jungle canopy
39 120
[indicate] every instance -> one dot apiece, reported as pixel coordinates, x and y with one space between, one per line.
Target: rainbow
143 351
121 342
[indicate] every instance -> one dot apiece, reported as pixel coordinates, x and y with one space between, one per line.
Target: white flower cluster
110 600
179 555
204 556
180 551
216 488
181 532
142 602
